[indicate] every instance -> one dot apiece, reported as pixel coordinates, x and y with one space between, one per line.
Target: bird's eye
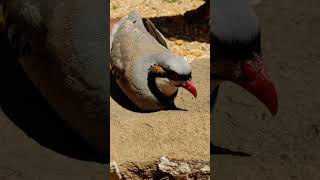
174 77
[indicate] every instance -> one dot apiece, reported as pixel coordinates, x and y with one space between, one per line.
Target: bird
236 53
202 13
62 48
143 69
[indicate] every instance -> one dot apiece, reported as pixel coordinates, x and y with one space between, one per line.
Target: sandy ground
285 146
22 158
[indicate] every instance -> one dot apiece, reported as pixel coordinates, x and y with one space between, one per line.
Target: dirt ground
285 146
22 158
145 137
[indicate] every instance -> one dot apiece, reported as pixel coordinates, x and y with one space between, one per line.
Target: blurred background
285 146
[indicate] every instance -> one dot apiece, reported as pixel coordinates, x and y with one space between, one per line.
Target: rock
166 166
177 170
179 42
206 169
196 52
114 171
183 168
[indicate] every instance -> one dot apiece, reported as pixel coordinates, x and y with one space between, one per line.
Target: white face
167 86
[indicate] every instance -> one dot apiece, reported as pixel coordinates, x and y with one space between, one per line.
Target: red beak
189 86
258 83
113 22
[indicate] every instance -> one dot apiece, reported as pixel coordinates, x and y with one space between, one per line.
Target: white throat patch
166 86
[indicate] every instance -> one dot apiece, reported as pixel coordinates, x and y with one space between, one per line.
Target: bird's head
237 53
250 74
172 74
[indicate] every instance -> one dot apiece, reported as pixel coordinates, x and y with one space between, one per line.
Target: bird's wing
119 37
145 25
155 33
116 60
128 40
133 17
130 43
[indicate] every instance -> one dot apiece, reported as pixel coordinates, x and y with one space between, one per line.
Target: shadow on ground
178 28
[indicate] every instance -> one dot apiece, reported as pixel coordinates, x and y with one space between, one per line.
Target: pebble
206 169
178 171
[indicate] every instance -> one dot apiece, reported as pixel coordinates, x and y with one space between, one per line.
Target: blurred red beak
113 22
258 83
189 86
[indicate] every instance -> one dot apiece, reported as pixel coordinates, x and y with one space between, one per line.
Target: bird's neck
165 87
163 94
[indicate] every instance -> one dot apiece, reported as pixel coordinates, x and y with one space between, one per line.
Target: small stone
183 168
179 42
166 166
163 159
178 171
205 169
114 171
196 53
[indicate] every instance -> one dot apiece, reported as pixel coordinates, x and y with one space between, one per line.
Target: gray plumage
234 20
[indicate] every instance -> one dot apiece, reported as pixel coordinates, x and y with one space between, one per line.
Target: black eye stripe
185 77
176 76
168 73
